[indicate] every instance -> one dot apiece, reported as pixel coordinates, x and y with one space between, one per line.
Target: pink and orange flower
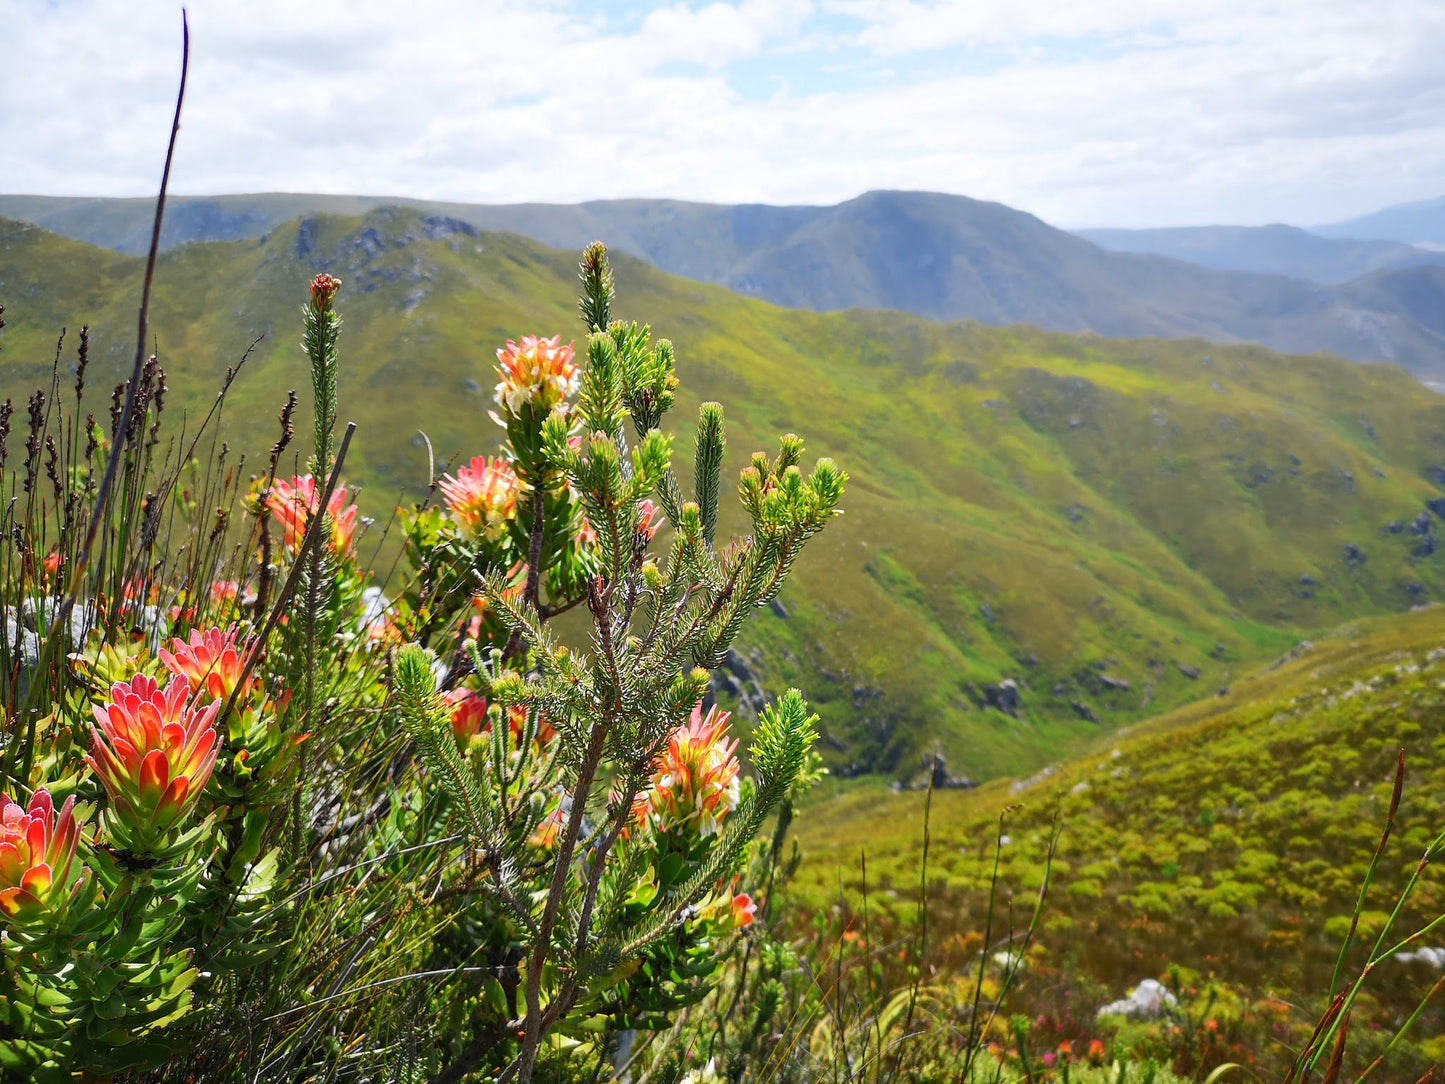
37 856
536 372
210 661
649 519
544 836
695 780
482 496
469 713
517 725
743 910
224 592
153 752
293 503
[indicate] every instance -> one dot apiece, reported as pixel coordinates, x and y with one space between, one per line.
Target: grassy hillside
937 255
1117 527
1230 839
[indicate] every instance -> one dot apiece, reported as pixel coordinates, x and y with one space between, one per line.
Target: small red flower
743 910
544 836
323 290
649 519
469 713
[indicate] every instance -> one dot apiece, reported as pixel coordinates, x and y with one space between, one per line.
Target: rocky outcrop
936 776
1005 697
738 680
1423 528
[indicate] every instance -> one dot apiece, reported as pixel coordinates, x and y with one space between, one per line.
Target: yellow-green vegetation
1227 841
1118 527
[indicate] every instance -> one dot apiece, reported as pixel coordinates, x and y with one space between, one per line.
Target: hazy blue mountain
1273 250
1411 223
941 256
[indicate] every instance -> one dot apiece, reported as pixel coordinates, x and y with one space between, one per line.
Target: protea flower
153 752
469 713
695 781
37 854
293 504
538 371
210 661
482 496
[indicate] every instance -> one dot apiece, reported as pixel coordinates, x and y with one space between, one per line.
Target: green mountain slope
1116 527
1230 838
941 256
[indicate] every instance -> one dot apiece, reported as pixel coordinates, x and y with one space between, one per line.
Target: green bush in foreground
307 818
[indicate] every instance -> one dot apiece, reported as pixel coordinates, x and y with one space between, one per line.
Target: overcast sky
1085 112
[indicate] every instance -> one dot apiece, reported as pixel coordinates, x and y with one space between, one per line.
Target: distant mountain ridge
1270 250
941 256
1422 222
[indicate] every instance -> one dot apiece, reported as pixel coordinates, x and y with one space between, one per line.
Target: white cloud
1111 111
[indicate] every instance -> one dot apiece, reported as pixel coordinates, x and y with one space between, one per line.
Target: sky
1084 112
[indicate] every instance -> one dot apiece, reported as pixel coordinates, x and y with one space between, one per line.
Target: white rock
1147 1001
1435 957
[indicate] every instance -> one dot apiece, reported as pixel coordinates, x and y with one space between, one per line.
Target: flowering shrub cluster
256 800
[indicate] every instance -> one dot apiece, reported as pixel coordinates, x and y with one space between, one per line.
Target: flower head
225 591
323 290
536 371
293 504
517 725
37 853
482 496
153 752
1096 1052
695 780
210 661
648 520
744 910
469 713
544 836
